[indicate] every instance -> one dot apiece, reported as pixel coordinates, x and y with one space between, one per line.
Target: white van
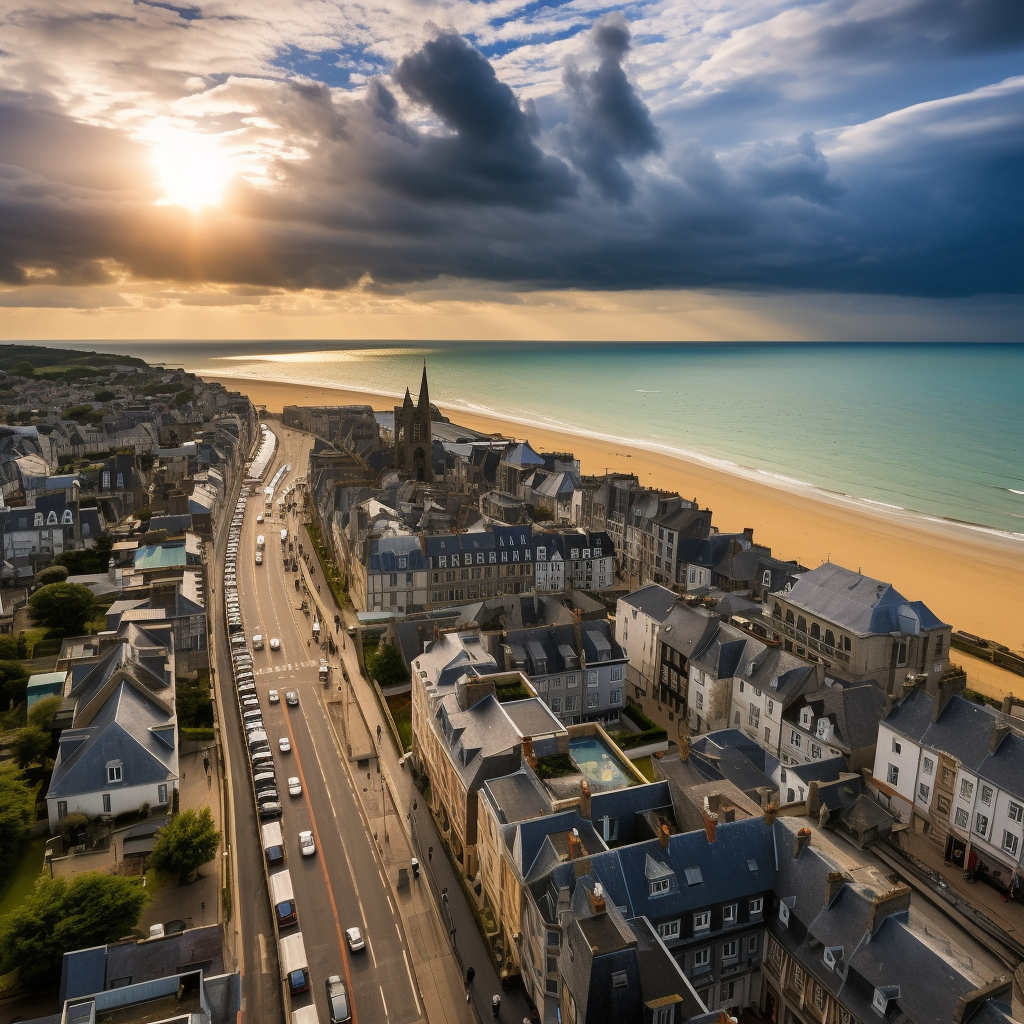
260 543
283 899
284 537
273 843
294 968
305 1015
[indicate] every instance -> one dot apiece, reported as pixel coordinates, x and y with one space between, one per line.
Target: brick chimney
575 845
710 821
833 883
945 689
894 901
771 813
584 799
528 754
596 895
803 837
999 732
748 532
1007 707
664 834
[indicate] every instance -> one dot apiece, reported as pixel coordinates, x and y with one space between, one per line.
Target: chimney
684 748
597 898
437 631
663 835
833 883
575 844
943 691
999 732
770 813
710 822
894 901
528 754
1007 707
584 799
803 837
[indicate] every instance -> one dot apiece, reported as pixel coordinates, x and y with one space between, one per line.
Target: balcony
800 637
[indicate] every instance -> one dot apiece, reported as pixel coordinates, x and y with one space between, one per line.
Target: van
305 1015
294 968
273 844
284 537
282 899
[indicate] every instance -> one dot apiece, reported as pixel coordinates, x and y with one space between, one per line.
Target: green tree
65 607
386 666
63 914
8 647
30 746
52 574
187 841
41 713
13 684
15 816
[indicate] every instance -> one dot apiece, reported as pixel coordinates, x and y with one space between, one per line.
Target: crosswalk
272 669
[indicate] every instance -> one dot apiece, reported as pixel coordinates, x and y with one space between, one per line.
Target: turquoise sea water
934 429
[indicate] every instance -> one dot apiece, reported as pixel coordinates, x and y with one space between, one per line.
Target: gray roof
653 600
854 712
858 603
532 717
518 797
684 628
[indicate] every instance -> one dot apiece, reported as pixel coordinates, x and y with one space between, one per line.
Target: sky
667 169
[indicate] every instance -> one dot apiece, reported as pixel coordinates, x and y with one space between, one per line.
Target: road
343 884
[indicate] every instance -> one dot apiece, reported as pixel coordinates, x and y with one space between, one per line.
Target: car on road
259 557
257 642
306 843
294 786
274 697
266 795
275 644
337 1001
354 938
291 698
259 518
284 745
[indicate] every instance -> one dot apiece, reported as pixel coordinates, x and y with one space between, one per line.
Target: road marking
391 905
383 1000
263 953
412 984
369 946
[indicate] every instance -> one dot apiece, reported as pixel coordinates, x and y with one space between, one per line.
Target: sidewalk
440 965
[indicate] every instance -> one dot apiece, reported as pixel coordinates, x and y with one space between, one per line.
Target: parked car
270 811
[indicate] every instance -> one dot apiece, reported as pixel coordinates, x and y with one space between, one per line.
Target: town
342 713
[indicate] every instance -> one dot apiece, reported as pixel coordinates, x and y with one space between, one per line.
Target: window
767 736
592 700
669 929
897 747
728 988
618 979
981 824
1015 812
161 794
62 809
816 751
556 704
893 775
113 773
961 818
664 1015
754 716
615 697
794 738
947 777
752 944
923 792
699 701
702 958
901 652
819 996
616 673
729 914
741 686
929 766
659 886
986 794
730 950
966 788
551 984
572 703
756 906
1010 842
943 804
702 921
106 803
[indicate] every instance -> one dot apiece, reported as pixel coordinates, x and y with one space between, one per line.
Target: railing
810 642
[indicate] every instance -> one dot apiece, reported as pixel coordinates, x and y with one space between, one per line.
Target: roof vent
833 957
884 997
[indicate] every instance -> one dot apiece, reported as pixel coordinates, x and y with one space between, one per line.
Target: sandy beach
970 578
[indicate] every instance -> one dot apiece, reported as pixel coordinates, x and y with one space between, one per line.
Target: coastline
969 576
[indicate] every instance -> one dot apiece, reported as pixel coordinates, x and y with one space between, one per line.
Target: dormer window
659 886
805 718
833 956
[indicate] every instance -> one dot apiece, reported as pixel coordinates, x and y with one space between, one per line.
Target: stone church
412 435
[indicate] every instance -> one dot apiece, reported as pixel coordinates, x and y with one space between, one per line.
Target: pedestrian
430 854
470 975
495 1007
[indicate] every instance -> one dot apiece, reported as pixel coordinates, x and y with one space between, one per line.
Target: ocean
934 429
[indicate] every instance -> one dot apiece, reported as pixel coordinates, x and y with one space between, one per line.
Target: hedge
197 734
627 740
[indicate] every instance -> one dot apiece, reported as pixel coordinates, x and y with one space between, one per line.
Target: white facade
549 571
757 714
707 699
897 764
401 591
109 802
802 742
637 634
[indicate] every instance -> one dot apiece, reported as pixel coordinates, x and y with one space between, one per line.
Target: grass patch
401 711
511 691
335 578
23 877
32 637
645 766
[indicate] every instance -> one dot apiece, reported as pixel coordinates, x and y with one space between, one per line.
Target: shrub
42 713
13 684
8 647
15 816
386 666
187 841
52 574
30 746
65 607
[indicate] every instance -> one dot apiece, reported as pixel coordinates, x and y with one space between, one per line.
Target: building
954 770
413 442
638 618
860 628
683 631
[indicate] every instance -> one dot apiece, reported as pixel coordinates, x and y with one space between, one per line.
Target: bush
8 647
193 704
22 644
386 666
13 684
638 715
554 765
48 647
65 607
15 816
187 841
64 914
52 574
199 735
95 559
42 713
30 746
626 740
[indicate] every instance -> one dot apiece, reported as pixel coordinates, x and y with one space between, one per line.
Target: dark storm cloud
608 122
492 156
791 169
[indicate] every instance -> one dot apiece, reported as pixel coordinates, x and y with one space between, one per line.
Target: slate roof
121 730
683 629
518 797
730 754
860 604
386 551
854 712
653 600
523 455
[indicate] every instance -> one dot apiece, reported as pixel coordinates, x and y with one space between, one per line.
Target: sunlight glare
193 169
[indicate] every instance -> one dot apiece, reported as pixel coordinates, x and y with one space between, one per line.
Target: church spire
424 399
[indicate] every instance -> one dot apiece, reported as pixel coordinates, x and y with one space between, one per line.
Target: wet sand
972 579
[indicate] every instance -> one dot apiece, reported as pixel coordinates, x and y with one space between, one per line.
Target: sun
194 169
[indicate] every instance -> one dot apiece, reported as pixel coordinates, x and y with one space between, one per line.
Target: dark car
267 795
337 1000
270 811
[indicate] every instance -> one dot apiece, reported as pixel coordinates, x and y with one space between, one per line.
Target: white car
259 557
259 518
294 786
354 938
257 642
275 644
306 844
274 697
284 744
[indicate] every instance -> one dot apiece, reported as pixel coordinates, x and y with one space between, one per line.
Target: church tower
412 435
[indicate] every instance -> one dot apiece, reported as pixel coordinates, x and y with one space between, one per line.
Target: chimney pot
770 813
663 835
528 754
710 821
803 837
597 898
